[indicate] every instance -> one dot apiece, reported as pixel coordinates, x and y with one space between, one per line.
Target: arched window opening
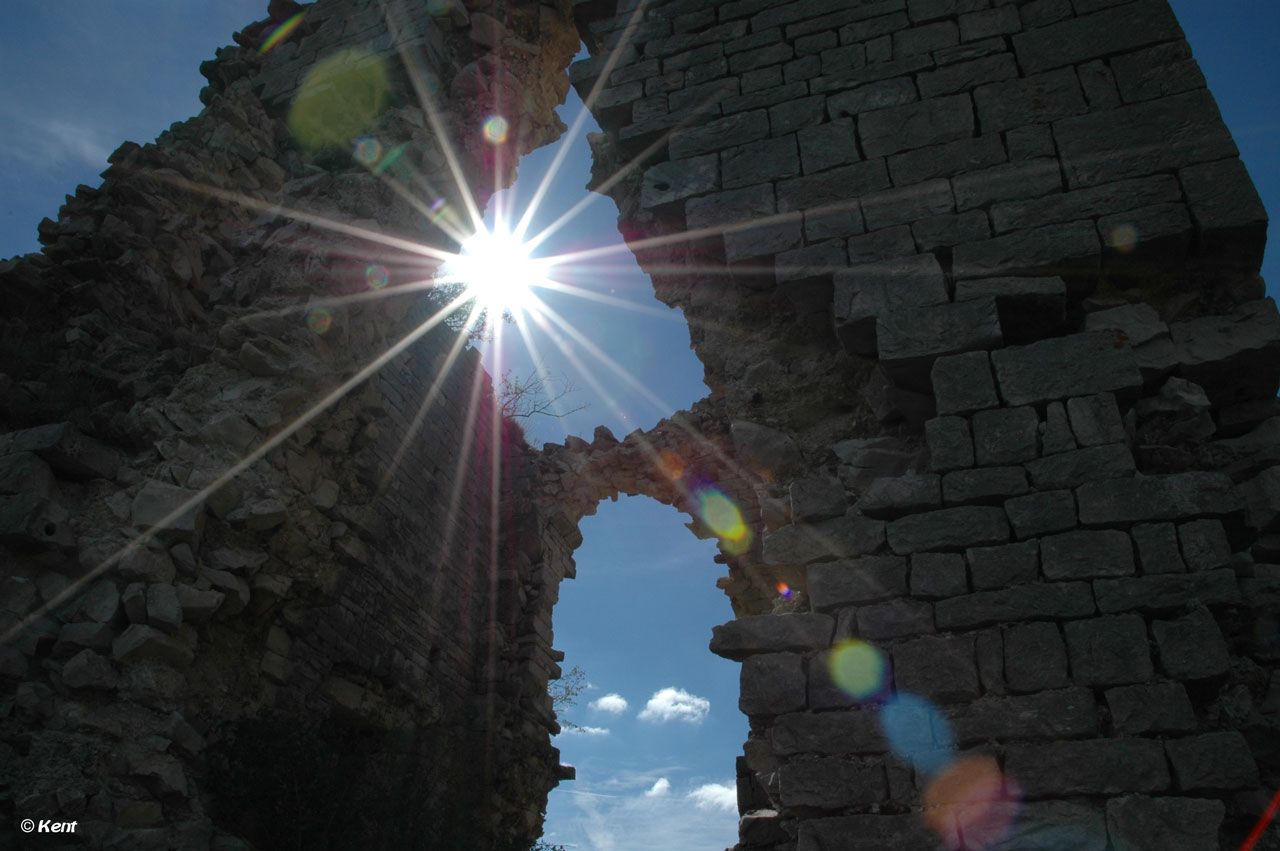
654 728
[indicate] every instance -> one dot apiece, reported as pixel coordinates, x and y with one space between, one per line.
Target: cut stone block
1109 650
948 528
1089 767
1063 714
1233 357
887 498
1204 544
909 339
895 619
1137 823
940 669
772 684
1168 591
817 498
1095 420
1070 469
1072 248
950 444
1035 657
1021 602
828 733
1157 548
755 634
935 575
1005 435
1147 498
1077 365
1036 99
1086 555
1213 761
991 485
963 383
1230 217
1155 708
1003 566
839 537
1041 513
1143 138
915 125
1191 647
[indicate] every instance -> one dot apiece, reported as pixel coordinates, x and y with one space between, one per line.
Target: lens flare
319 320
496 129
670 465
857 668
391 158
497 269
970 799
784 590
339 98
721 516
917 733
376 277
367 151
1123 238
281 32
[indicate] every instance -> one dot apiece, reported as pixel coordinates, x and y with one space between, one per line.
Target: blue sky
77 77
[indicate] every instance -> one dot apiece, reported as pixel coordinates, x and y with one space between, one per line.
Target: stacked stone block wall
1013 245
352 616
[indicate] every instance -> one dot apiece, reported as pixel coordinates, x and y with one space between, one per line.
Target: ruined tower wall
974 284
349 617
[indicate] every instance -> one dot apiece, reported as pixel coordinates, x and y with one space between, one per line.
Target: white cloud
614 704
45 144
584 731
675 704
658 789
715 796
642 822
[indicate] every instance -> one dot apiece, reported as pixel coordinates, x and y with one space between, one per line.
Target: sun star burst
496 268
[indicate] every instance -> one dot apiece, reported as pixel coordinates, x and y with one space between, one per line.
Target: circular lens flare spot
857 668
339 98
917 733
376 277
496 129
723 518
367 150
969 799
671 465
496 269
1124 238
319 320
784 590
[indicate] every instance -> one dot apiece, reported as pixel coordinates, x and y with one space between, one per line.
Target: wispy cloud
584 731
658 789
615 704
715 796
656 817
675 704
50 143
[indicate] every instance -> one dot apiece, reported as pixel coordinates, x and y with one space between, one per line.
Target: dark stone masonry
974 284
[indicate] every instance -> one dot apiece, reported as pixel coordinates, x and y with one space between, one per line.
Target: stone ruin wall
354 615
975 286
967 416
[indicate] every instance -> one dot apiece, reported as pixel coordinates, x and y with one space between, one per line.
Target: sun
496 268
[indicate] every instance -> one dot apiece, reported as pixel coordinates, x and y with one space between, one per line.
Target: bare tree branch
535 395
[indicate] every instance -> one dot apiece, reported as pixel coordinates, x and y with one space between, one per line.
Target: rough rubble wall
348 617
975 286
